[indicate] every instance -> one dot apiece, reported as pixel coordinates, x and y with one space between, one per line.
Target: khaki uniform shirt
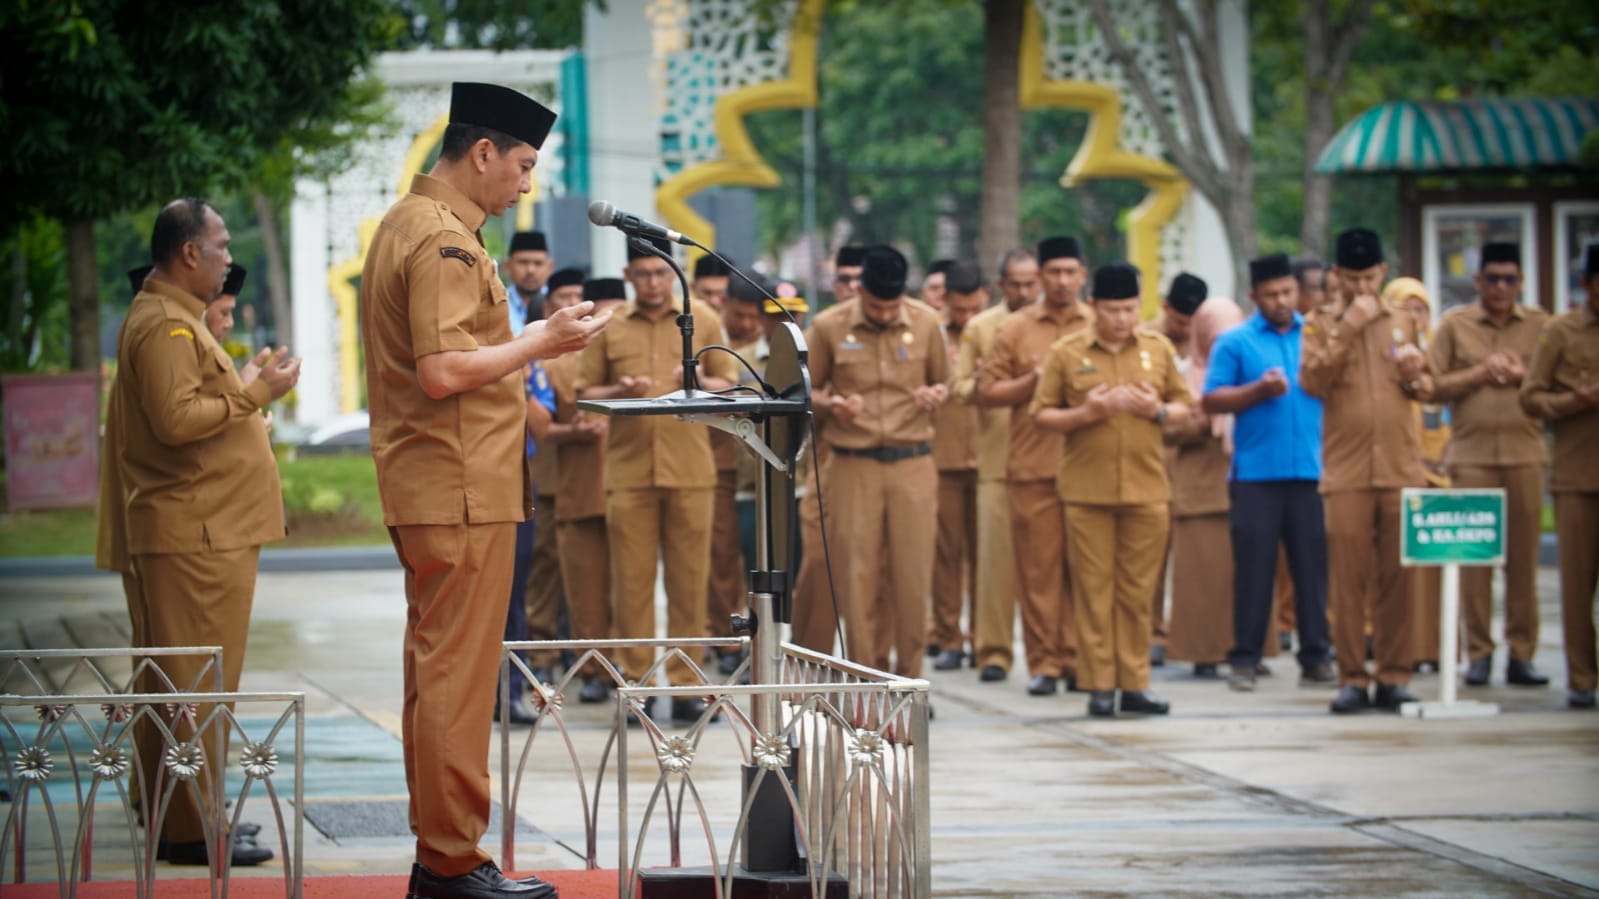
993 423
1569 347
1488 425
580 465
1118 461
111 538
428 287
1368 428
655 450
1198 463
1020 346
954 424
884 365
544 466
1157 325
197 468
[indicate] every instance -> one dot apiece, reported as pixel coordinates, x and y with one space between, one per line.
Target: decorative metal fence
850 755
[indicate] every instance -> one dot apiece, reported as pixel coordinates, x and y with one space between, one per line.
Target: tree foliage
490 24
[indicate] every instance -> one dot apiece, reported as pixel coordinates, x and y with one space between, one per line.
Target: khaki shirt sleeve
1175 390
719 363
1001 360
1324 354
963 383
1450 382
1539 398
591 368
820 359
444 293
938 369
167 363
1051 390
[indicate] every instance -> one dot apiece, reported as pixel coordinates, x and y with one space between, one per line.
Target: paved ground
1263 794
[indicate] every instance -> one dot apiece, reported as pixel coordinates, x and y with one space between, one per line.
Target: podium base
1464 708
698 883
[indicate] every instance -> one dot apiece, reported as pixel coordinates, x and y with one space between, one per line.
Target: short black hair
1002 268
458 139
1303 265
179 222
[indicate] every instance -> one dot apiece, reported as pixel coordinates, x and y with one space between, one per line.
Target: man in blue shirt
528 266
1254 376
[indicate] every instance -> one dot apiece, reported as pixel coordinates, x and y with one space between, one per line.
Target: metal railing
855 739
73 772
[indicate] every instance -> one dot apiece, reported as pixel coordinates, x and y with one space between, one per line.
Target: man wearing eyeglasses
660 476
1479 356
847 273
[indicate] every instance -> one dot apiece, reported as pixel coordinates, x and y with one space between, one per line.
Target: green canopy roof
1403 136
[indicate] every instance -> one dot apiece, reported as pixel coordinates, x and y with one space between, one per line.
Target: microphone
607 216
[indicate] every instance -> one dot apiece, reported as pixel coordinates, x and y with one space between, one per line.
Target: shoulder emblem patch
181 332
458 253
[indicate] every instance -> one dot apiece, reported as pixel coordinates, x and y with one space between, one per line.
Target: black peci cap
1501 251
1115 281
709 266
1059 248
1358 249
136 276
1269 268
940 266
1186 293
502 109
849 255
1590 262
529 240
235 281
565 277
883 272
597 289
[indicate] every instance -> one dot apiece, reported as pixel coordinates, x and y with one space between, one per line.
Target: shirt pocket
1080 381
493 324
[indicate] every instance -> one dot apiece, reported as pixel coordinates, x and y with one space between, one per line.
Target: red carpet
599 884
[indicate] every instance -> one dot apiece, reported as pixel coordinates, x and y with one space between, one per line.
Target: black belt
886 453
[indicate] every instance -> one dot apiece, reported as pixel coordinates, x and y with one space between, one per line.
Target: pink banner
52 440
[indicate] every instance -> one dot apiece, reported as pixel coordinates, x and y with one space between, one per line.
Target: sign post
1451 528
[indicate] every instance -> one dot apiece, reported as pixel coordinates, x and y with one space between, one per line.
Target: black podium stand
773 424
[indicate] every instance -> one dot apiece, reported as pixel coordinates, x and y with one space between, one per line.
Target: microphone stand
685 321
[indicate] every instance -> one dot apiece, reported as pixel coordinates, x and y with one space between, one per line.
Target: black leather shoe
688 711
245 852
992 673
594 690
1157 656
483 882
1102 703
1143 702
1205 670
1579 699
1350 699
1522 674
1070 678
1043 685
649 712
1392 696
949 660
1477 671
1319 675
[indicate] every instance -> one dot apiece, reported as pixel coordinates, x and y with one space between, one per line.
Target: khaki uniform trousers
889 512
1424 612
725 593
994 642
644 525
815 617
1044 578
1523 486
191 599
1577 527
545 585
1158 624
455 578
1200 629
1365 580
586 570
954 559
1115 553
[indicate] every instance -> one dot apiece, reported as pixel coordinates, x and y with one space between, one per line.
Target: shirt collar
857 318
470 214
188 301
632 309
1258 320
1516 312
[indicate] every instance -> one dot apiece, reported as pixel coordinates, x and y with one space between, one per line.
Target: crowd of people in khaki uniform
1047 452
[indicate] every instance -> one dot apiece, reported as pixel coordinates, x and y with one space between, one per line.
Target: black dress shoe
688 711
992 673
1522 674
1102 703
1392 696
649 712
1070 678
483 882
1143 702
417 869
1157 656
245 852
1579 699
1477 671
1350 699
1043 685
1205 669
594 690
1322 674
949 660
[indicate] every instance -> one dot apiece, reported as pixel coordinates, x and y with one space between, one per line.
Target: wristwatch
1160 415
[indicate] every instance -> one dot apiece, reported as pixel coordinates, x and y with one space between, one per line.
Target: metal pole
763 707
1448 634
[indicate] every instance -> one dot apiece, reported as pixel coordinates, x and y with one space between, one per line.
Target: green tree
490 24
113 106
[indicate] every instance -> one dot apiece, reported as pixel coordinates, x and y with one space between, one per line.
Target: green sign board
1463 526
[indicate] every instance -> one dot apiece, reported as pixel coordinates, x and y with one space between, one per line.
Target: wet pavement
1234 794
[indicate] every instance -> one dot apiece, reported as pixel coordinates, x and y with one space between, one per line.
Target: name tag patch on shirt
181 332
458 253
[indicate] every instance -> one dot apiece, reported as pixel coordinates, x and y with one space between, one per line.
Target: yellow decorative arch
740 162
1101 157
341 277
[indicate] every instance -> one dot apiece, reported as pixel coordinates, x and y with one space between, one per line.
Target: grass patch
328 500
